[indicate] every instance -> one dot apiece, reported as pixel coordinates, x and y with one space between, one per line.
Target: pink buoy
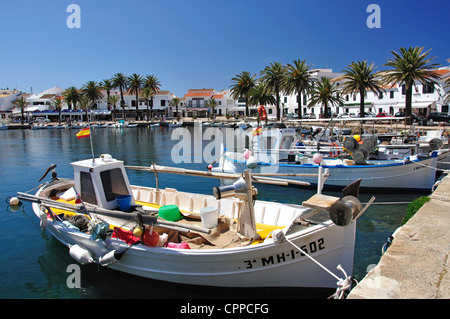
247 154
317 158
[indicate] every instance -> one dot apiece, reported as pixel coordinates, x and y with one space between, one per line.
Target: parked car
439 117
414 117
382 114
292 116
367 114
346 115
309 116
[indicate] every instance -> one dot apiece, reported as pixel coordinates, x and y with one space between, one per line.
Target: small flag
257 131
86 132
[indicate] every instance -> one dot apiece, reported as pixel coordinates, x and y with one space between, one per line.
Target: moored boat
272 154
250 243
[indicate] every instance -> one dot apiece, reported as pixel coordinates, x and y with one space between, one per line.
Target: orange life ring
262 113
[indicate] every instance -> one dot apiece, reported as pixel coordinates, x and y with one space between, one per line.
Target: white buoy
80 254
251 162
14 201
43 219
110 258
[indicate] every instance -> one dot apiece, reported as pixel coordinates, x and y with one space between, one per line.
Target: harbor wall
417 264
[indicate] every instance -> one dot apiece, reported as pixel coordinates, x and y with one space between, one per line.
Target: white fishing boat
230 239
3 125
272 154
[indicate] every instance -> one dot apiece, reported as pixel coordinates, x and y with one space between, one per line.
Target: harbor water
35 265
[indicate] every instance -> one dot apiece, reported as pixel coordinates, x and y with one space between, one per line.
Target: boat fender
110 258
387 244
43 218
251 162
13 201
162 240
80 254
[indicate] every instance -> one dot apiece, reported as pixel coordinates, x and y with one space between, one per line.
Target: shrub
414 206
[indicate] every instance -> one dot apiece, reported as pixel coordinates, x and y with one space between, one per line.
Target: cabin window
113 184
286 142
87 188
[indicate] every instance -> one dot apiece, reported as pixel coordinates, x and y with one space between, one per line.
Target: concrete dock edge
417 264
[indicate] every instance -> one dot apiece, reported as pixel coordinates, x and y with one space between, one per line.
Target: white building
195 103
425 98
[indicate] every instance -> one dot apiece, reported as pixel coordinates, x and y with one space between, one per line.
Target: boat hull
267 264
398 175
264 265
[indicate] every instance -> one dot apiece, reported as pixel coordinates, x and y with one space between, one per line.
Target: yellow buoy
137 231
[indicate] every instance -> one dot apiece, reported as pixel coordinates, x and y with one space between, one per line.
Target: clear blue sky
204 43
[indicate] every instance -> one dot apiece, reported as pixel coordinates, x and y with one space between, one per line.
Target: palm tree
107 85
176 101
113 100
152 82
298 81
57 103
93 91
146 95
119 80
261 95
275 77
360 79
85 102
135 82
323 93
447 95
212 103
410 65
242 83
21 104
72 96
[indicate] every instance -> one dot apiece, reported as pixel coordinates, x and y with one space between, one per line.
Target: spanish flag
257 131
86 132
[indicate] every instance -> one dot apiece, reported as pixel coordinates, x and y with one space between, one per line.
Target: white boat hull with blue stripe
413 172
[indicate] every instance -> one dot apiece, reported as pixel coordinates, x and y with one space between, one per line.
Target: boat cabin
101 180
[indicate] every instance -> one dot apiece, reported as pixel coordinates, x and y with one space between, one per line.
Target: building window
391 94
427 88
163 102
403 89
380 96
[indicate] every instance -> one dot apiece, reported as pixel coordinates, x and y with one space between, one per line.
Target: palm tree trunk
151 108
361 103
137 107
122 103
408 104
361 109
247 111
22 118
299 103
278 104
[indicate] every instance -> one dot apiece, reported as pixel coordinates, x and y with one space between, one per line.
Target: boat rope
343 284
441 198
428 166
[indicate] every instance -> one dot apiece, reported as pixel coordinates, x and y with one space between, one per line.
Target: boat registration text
310 248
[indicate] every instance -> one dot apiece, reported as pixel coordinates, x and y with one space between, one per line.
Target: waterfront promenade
417 264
